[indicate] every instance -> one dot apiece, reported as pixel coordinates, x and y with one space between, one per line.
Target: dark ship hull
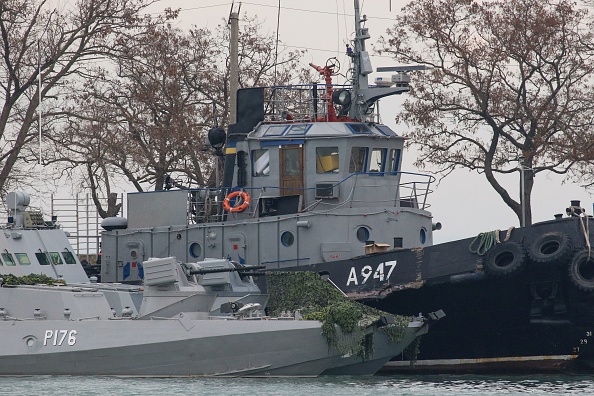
525 306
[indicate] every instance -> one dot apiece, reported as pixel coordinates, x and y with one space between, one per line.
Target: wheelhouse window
42 258
8 259
275 130
377 162
56 258
394 165
358 159
23 258
260 162
298 130
326 159
69 257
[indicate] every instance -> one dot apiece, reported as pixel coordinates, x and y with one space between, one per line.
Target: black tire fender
504 259
581 270
551 248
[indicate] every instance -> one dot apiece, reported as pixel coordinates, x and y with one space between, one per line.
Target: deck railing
410 190
303 103
79 218
78 215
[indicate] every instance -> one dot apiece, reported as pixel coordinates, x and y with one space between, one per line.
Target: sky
464 202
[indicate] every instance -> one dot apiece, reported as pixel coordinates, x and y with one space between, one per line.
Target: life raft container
245 202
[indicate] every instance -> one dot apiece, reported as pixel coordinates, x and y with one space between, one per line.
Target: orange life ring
237 208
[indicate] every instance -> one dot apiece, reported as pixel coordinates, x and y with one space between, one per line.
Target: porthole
423 235
363 234
195 250
30 341
287 238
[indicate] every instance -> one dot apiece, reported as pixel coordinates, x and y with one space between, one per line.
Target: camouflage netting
319 300
32 279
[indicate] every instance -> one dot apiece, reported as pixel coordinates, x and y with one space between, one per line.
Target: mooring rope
486 240
586 230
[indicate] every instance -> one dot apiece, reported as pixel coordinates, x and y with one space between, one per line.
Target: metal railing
302 103
79 217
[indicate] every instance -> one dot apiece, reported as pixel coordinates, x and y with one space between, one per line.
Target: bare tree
146 114
511 81
52 45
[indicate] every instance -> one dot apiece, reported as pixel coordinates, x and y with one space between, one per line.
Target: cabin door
291 170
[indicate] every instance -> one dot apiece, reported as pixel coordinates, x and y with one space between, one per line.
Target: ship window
275 130
378 159
358 159
326 159
23 258
260 162
299 130
287 238
8 259
359 128
384 129
69 258
56 259
195 250
42 258
423 235
292 161
362 234
394 160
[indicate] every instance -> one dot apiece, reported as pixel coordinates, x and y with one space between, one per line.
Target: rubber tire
581 270
504 259
551 248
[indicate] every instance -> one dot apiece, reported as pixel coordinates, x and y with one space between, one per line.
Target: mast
364 96
361 59
233 67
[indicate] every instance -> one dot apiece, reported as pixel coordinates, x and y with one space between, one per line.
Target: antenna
231 11
39 109
233 63
276 44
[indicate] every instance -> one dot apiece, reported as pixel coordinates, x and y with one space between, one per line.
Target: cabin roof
275 131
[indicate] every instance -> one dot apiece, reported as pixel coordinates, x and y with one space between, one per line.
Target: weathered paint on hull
510 321
506 365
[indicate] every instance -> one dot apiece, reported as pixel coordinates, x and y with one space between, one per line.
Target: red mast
327 71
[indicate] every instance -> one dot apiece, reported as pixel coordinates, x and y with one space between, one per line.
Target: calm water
376 386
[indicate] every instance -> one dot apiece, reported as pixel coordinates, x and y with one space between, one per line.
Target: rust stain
385 291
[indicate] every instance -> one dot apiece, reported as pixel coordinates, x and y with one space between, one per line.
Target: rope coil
486 240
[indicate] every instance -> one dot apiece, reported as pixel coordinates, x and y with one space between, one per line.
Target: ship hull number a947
380 273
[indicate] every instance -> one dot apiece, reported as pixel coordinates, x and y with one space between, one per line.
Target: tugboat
187 319
313 181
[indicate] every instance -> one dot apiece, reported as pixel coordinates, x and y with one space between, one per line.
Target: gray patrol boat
186 319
